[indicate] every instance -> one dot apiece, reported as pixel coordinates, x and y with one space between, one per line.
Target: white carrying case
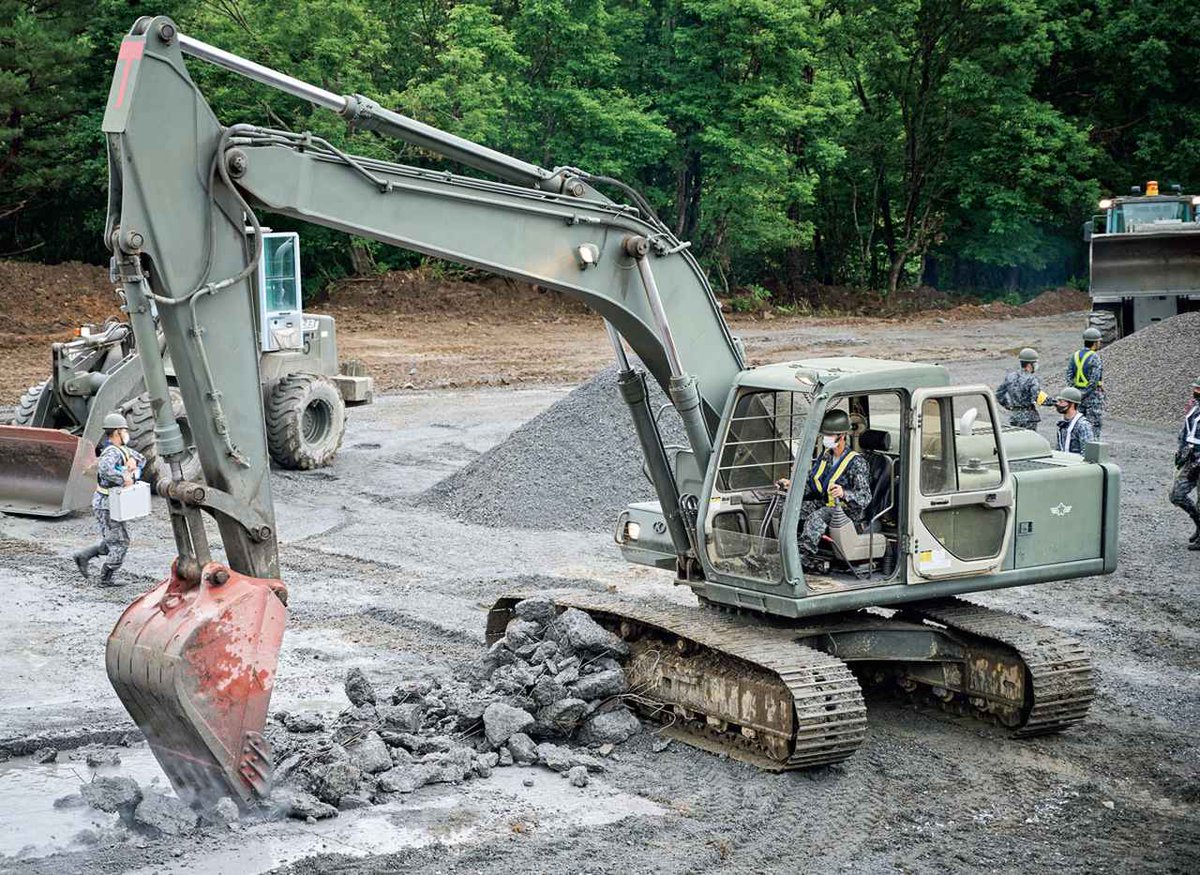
129 502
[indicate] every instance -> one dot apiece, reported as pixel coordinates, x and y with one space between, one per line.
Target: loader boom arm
182 189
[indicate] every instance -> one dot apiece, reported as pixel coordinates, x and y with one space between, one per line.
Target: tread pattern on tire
140 416
1106 321
285 421
27 405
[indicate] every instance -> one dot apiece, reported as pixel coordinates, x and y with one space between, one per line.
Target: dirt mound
51 300
575 466
1148 375
431 294
1052 302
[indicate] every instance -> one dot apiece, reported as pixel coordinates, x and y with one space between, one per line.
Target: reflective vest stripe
1066 435
1193 429
128 457
1081 380
822 488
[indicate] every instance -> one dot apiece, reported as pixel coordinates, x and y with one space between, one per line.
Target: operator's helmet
835 422
1091 335
1071 394
114 421
1028 355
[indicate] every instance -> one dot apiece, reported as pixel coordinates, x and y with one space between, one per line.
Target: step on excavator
767 667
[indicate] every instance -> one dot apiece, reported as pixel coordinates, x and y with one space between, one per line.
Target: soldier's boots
83 557
1194 540
106 577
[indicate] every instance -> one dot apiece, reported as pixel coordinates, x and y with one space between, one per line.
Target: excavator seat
858 542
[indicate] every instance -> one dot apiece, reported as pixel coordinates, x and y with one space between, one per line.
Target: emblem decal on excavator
1061 509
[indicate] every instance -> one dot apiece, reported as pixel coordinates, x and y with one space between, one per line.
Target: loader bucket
1166 263
45 472
194 665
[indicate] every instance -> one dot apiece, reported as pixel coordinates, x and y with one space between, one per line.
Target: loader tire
1106 321
140 415
306 420
27 406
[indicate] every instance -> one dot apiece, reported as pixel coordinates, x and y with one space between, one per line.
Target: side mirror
1088 230
966 425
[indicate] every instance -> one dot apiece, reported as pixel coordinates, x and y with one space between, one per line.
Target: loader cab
940 491
280 302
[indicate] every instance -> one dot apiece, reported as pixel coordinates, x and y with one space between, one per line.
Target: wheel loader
47 455
767 664
1143 259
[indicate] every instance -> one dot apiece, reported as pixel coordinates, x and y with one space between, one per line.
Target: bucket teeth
194 665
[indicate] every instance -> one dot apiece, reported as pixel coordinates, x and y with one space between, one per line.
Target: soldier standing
1074 430
1021 392
1187 464
1085 372
118 466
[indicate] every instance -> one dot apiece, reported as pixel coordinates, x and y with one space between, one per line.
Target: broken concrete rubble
109 793
164 815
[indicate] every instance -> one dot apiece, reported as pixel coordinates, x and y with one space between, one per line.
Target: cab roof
844 374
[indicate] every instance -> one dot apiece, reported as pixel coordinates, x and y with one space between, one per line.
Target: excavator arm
193 659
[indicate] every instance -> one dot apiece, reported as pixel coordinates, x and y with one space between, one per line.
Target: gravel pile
575 466
553 679
1148 375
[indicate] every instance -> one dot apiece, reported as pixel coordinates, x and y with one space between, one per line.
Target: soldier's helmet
1071 394
1028 355
835 422
1091 335
114 421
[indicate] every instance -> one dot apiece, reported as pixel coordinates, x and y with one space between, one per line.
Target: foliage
795 142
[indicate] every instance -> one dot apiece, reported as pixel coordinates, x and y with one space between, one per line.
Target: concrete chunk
358 689
501 721
610 727
577 631
370 754
112 794
601 685
165 815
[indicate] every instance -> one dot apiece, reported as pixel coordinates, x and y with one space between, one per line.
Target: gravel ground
381 582
576 466
1148 375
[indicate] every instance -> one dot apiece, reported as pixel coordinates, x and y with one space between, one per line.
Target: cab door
960 517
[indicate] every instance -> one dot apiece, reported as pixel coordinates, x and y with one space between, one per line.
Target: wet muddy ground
382 584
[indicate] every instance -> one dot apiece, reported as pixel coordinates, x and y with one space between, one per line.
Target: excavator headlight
633 531
1196 200
1106 203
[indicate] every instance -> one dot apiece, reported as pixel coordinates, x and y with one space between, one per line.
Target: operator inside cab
839 477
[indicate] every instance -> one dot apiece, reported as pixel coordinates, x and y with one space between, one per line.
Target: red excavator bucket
194 664
45 472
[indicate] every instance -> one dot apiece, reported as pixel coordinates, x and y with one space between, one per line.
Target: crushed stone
1148 375
575 466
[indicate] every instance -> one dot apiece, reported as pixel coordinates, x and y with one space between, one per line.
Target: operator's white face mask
829 442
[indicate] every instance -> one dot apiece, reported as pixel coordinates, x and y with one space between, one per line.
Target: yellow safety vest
1081 380
128 456
822 488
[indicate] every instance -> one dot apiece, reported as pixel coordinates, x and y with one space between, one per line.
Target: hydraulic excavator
763 667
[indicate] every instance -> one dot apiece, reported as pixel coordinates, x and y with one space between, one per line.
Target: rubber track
1059 667
830 719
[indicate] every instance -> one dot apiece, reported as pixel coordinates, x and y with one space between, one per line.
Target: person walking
118 466
1074 430
1187 465
1085 372
1021 392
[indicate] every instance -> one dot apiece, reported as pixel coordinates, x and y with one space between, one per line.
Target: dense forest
870 143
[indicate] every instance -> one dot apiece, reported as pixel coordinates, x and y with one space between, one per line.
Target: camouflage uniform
114 537
1092 405
1187 464
816 509
1079 435
1018 393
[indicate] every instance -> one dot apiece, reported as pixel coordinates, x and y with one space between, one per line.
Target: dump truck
47 455
766 663
1143 259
